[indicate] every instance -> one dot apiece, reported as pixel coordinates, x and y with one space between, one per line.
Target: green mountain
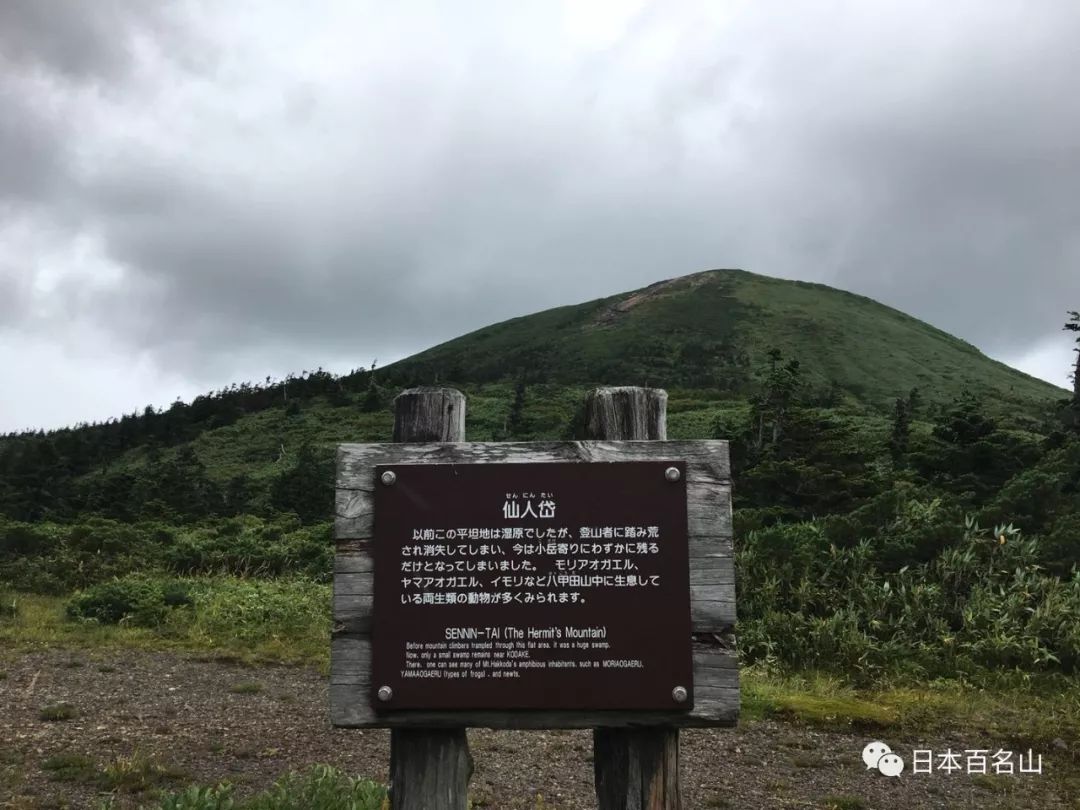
714 329
731 347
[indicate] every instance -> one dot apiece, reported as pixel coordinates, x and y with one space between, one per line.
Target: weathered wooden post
534 585
634 769
429 767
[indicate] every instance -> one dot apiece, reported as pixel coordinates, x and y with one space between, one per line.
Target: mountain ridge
673 339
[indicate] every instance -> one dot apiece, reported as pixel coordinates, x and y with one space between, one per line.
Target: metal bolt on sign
672 474
388 478
679 694
385 693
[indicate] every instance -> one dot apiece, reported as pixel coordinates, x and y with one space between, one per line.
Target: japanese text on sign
495 586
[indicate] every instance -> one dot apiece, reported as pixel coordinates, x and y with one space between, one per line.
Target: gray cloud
349 184
32 160
75 39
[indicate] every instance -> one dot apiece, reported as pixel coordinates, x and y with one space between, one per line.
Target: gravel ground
210 721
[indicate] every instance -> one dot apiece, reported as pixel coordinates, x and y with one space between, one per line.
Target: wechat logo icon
878 756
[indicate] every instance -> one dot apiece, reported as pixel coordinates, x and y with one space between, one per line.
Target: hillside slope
704 337
714 329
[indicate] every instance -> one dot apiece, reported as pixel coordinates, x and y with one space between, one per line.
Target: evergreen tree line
176 489
794 461
44 474
86 446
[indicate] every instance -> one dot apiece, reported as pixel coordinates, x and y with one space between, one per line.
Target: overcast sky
197 193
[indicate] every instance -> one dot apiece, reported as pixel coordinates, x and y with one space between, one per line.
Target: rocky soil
208 721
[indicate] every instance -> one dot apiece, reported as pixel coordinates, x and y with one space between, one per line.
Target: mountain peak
714 329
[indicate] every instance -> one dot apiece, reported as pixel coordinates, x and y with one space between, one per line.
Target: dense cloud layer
208 194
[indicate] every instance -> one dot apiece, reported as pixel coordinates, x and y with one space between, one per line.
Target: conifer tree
901 430
1073 325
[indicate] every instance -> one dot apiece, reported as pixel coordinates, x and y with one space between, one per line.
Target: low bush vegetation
321 788
283 618
55 558
984 605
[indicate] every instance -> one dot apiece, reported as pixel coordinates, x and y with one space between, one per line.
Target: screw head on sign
679 694
672 474
388 477
385 693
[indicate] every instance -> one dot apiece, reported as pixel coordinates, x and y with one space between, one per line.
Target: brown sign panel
531 586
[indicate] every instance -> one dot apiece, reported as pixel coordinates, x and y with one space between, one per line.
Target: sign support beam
633 768
429 767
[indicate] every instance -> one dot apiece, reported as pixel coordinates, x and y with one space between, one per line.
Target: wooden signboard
533 585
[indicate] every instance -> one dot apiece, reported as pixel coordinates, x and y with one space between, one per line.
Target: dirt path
210 721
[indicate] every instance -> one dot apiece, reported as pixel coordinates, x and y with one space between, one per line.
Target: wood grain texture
637 769
430 768
429 415
627 413
708 460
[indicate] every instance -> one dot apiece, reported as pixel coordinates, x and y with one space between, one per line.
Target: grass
320 788
139 773
134 774
243 621
57 712
1026 715
71 768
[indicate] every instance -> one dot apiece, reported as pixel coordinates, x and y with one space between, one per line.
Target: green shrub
201 798
251 547
324 788
137 600
54 559
250 612
980 605
219 612
51 558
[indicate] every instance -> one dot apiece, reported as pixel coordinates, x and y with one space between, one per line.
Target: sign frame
711 576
